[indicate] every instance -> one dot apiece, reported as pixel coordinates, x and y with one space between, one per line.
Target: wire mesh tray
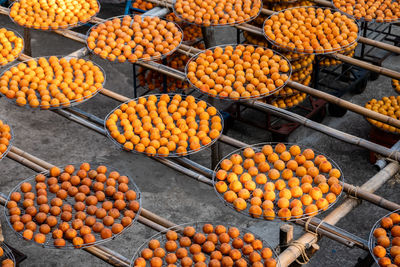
305 51
397 132
218 96
38 95
154 58
264 191
255 4
69 209
394 240
380 128
225 237
6 254
288 102
171 152
362 18
4 63
10 141
49 28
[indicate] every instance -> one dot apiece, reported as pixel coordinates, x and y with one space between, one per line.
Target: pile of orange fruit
269 181
164 125
217 12
190 32
203 245
134 38
240 72
73 207
10 46
53 15
386 240
285 5
396 85
288 91
378 10
311 30
142 4
5 260
51 82
5 138
327 62
389 106
289 101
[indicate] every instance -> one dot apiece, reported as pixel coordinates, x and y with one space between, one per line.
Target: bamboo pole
375 199
367 66
79 53
292 252
157 219
386 152
31 158
345 104
151 224
25 162
324 3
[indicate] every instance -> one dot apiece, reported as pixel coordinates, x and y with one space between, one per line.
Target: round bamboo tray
198 226
372 241
295 50
259 2
289 73
171 154
61 105
245 210
66 27
155 58
71 201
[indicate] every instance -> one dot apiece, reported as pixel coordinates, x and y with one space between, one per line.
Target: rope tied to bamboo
315 232
187 52
302 248
353 193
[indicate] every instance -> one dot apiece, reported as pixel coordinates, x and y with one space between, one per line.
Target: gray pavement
165 191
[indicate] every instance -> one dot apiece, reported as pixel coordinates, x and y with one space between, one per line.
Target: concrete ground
166 192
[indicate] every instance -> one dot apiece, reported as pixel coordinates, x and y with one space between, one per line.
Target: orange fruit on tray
240 72
190 32
134 38
6 256
51 82
11 46
278 181
5 138
73 207
389 106
384 240
142 4
289 101
311 30
164 125
53 15
205 242
217 12
379 11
